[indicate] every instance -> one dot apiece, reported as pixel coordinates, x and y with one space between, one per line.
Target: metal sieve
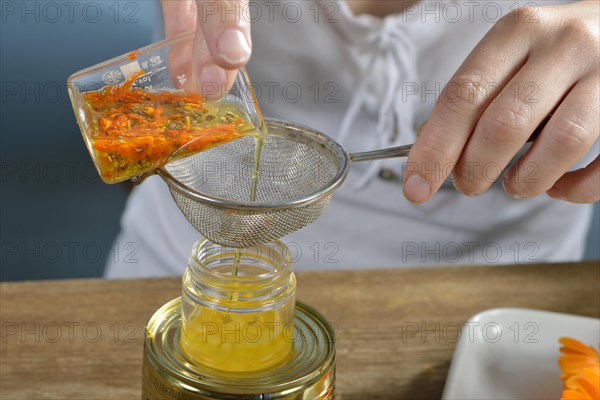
300 168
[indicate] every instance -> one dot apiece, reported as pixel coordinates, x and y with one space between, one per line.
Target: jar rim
281 269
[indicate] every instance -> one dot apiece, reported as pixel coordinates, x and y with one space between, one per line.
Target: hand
222 43
528 66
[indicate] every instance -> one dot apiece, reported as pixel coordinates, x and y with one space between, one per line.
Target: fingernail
472 194
416 189
556 193
212 81
233 47
505 179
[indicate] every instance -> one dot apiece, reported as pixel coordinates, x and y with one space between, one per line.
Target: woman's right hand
222 43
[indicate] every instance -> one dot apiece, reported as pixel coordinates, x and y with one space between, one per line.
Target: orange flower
132 55
580 365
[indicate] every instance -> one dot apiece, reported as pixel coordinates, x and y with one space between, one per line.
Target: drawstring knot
390 49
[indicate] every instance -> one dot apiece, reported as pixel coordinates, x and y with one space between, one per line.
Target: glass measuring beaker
137 110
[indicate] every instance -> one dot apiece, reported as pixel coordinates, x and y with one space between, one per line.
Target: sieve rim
342 157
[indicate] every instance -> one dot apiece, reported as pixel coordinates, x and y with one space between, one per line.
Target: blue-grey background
58 220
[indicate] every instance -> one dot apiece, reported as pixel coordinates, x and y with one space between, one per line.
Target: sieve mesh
298 172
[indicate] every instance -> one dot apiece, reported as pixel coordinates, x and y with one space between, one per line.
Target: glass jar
238 316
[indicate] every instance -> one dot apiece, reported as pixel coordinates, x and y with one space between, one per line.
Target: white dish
511 353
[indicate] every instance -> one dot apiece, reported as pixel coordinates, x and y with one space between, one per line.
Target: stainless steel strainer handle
402 151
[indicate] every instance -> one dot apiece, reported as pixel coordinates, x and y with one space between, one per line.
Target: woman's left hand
532 63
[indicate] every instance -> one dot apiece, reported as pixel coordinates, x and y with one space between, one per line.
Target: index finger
493 62
179 16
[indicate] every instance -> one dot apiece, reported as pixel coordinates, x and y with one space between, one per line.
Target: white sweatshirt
368 83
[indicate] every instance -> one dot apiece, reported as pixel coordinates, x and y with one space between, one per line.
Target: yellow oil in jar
243 321
241 342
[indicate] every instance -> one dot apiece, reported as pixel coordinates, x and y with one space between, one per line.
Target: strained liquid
258 146
237 352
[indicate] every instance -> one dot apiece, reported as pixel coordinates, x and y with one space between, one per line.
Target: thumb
580 186
226 28
222 45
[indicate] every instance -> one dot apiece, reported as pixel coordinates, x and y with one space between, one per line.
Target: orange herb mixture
132 55
135 131
580 365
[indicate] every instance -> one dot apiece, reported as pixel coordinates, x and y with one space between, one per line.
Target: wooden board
396 329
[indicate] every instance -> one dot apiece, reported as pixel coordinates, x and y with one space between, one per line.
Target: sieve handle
402 151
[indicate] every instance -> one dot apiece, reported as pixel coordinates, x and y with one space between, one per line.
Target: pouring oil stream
259 141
